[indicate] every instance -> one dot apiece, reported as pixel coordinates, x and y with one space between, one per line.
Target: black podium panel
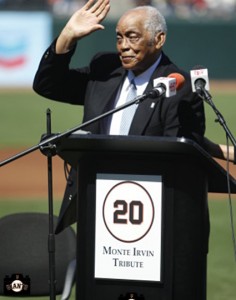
72 149
187 172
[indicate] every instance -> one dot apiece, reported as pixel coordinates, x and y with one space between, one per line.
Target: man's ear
160 39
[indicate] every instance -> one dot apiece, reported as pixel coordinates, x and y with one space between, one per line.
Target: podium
142 215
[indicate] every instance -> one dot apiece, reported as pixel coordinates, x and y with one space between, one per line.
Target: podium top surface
73 147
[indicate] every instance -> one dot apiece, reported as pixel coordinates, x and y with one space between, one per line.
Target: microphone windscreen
199 78
180 80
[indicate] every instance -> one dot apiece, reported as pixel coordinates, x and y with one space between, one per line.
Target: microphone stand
208 98
51 236
205 95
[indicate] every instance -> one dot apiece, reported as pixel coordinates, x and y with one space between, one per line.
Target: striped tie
128 112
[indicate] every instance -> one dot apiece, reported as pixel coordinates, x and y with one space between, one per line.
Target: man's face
136 48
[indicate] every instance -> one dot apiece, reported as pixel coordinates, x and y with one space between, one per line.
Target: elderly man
110 78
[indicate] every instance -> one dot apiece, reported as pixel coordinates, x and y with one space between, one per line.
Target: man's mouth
127 59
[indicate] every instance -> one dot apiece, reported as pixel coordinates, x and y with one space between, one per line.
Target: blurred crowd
170 8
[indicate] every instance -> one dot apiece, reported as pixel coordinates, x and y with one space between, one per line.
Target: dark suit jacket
95 87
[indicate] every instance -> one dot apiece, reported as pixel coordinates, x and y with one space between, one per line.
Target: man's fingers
88 5
99 7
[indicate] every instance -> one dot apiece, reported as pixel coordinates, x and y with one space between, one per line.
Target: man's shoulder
170 67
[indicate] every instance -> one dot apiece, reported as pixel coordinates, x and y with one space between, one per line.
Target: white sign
24 36
128 227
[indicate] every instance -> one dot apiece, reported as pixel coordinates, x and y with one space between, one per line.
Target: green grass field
23 120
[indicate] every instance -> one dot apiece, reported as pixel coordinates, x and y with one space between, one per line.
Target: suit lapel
146 108
108 89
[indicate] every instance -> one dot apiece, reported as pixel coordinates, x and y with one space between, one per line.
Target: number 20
128 208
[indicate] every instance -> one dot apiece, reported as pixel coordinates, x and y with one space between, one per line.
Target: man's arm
54 78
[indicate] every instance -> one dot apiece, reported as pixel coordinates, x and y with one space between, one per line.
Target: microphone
199 80
180 80
167 85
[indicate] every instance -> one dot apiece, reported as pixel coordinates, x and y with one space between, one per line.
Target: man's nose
124 44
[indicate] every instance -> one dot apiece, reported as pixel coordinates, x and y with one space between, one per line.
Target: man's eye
133 38
118 39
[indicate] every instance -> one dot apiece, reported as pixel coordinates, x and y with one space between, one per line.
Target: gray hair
155 20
